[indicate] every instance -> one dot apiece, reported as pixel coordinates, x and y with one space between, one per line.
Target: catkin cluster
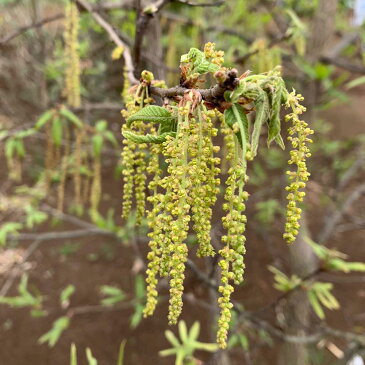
182 195
134 156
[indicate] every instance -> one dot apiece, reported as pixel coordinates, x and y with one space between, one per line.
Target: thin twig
208 27
332 221
25 28
213 94
50 19
50 236
114 37
190 3
342 63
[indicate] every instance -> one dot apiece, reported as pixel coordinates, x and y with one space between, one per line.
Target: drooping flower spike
182 134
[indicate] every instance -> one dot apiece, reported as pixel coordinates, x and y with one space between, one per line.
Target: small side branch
213 95
114 37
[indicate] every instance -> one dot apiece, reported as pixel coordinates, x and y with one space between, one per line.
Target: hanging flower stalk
183 197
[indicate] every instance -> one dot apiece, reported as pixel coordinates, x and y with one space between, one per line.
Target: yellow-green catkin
232 263
72 59
128 152
134 157
203 170
156 234
299 134
178 207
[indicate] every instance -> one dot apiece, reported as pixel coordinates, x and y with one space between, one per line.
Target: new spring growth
182 135
299 137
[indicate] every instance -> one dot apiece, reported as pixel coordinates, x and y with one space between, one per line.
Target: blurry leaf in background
73 355
121 352
53 335
34 216
90 358
25 297
283 282
185 349
9 228
112 295
334 260
319 294
356 82
140 295
65 295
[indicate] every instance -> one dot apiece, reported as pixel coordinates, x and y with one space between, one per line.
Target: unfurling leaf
236 114
274 121
53 335
262 114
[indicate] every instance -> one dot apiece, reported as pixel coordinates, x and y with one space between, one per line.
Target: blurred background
70 274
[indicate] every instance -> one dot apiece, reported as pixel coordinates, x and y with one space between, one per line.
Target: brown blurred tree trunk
154 48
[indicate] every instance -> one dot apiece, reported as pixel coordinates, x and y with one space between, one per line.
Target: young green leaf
356 82
205 66
66 294
262 114
101 126
10 147
53 335
137 316
25 297
151 113
9 228
73 355
274 121
313 300
44 118
112 295
236 114
57 131
73 118
90 358
97 142
121 352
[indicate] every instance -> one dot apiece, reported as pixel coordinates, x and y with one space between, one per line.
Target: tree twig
213 94
332 221
25 28
190 3
114 37
50 19
342 63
